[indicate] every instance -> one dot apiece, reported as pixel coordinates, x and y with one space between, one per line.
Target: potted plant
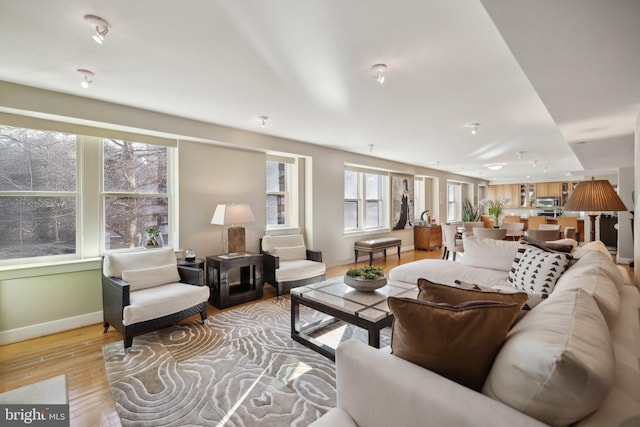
153 233
469 213
365 279
495 207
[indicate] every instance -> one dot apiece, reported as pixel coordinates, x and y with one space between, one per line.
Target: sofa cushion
536 272
299 269
557 363
151 303
422 334
592 273
564 245
149 277
290 253
463 292
283 241
488 253
115 264
447 272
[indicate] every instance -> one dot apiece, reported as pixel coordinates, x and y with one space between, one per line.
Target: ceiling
557 81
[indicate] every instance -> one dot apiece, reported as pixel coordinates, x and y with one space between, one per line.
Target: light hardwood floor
78 354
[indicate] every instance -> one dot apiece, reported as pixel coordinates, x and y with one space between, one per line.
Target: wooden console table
427 237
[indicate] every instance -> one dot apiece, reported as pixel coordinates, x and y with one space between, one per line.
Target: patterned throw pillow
536 272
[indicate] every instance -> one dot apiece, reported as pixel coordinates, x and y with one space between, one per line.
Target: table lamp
229 215
591 196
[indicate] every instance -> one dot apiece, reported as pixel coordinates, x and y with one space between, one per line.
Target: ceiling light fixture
263 119
87 77
534 163
495 166
101 26
474 128
370 148
379 70
519 154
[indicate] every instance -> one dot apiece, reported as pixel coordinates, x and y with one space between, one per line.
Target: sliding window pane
34 226
350 215
127 217
350 184
373 214
134 167
276 208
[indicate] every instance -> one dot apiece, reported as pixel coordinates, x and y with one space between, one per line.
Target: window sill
9 272
366 232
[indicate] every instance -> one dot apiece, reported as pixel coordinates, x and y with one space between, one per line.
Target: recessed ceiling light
495 166
474 128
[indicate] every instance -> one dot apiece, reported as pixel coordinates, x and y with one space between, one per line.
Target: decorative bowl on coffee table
365 279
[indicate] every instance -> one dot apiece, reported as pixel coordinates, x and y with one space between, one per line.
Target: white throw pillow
557 364
291 253
488 253
536 272
149 277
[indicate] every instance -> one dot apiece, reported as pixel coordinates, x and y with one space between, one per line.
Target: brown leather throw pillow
458 342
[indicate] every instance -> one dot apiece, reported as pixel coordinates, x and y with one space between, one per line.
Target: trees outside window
38 193
49 186
135 192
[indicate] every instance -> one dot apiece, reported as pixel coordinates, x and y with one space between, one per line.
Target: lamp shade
594 196
232 214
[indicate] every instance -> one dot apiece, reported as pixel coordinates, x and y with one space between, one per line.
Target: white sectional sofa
573 359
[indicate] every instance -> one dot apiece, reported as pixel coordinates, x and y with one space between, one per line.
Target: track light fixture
87 77
263 120
379 70
101 27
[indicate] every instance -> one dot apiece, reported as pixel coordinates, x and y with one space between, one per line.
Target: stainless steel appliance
547 202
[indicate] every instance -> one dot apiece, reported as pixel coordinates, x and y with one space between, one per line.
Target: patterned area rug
240 369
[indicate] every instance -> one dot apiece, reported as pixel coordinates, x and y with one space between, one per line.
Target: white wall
217 164
625 238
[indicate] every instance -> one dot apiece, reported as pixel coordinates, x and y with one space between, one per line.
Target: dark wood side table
196 263
223 293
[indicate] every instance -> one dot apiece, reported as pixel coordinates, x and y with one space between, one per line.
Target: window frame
90 223
362 200
290 193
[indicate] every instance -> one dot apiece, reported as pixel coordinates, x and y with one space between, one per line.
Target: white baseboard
34 331
621 260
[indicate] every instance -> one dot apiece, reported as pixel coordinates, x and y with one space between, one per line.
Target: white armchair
288 263
145 291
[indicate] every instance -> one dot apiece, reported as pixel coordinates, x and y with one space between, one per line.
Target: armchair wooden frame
271 262
115 297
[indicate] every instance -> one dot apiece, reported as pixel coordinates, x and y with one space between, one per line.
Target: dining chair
569 221
543 235
490 233
470 225
515 230
550 227
535 221
452 245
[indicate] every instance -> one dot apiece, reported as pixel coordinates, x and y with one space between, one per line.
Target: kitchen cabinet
548 189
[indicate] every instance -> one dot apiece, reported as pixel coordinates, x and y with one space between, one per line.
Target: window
38 193
454 202
282 192
365 201
50 187
418 196
135 193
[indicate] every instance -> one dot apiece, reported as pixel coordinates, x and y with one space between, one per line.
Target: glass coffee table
367 310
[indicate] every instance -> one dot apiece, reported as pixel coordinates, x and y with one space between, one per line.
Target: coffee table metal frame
303 335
